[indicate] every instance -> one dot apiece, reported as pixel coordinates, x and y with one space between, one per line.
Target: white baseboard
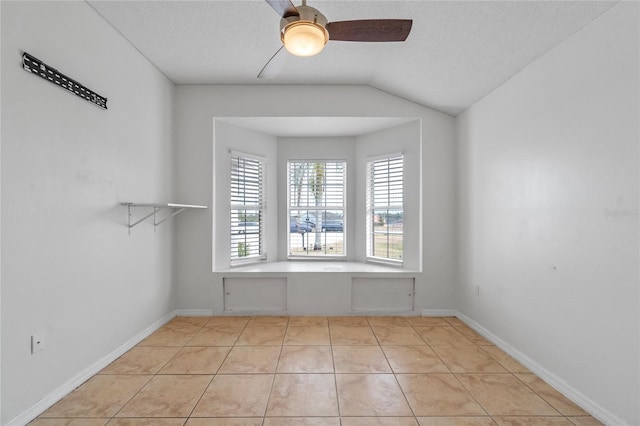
193 312
439 313
63 390
560 385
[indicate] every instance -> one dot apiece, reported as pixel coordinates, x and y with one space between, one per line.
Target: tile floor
349 371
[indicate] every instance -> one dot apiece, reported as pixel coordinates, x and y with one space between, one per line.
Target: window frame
260 207
371 209
319 209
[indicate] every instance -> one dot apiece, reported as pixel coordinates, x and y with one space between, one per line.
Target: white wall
549 213
69 268
196 106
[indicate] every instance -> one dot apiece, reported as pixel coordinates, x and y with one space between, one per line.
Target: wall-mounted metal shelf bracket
155 213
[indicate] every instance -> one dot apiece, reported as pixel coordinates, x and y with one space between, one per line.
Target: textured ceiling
457 52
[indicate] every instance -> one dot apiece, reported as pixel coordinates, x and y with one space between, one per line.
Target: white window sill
279 268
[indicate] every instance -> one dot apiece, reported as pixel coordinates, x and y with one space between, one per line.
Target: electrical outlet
476 289
37 342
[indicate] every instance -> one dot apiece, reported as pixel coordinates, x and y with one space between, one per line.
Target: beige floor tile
438 395
184 327
456 421
442 368
196 360
532 421
167 396
146 422
303 395
307 336
100 396
221 421
198 321
505 395
141 360
552 396
414 359
262 336
507 362
443 336
348 321
243 395
584 421
480 341
305 359
69 422
360 359
345 335
308 322
379 421
454 321
388 321
371 395
216 336
427 321
302 421
169 337
251 359
397 336
468 359
270 321
228 321
472 335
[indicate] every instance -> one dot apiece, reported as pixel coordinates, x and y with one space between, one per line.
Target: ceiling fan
304 31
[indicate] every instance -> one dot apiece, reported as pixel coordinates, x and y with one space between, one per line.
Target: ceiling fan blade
284 8
374 30
275 65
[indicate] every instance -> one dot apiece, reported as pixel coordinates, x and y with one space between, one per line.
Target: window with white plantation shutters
385 214
316 207
247 208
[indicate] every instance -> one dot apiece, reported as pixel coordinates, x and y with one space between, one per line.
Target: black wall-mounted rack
37 67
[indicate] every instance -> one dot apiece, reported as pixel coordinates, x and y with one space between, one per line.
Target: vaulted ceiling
457 52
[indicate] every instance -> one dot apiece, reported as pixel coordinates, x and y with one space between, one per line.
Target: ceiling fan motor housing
307 14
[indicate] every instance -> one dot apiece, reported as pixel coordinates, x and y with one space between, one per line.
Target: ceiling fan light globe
304 38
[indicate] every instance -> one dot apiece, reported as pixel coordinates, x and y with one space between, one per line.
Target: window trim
370 208
261 207
289 208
